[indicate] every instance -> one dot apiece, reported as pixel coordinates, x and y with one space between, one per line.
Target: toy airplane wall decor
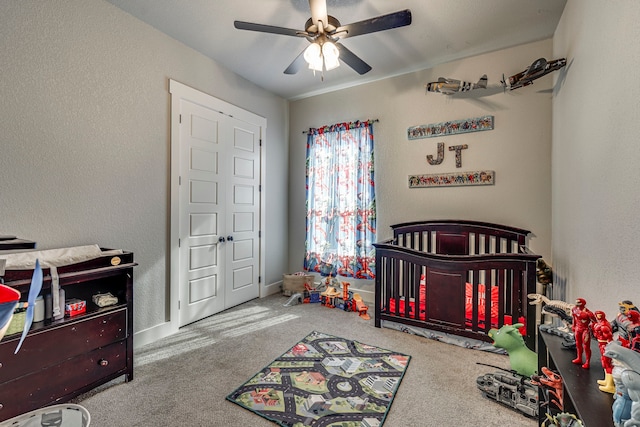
540 67
451 86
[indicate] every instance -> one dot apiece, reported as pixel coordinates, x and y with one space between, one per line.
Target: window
341 208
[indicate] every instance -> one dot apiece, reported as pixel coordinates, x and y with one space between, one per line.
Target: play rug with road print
325 381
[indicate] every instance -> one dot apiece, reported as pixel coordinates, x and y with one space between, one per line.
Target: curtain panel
340 204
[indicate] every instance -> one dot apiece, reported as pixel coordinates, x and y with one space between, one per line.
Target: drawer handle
103 362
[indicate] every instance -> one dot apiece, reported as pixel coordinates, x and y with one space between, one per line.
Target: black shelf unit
581 394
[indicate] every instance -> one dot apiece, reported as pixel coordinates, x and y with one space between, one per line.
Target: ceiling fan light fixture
331 54
323 29
313 56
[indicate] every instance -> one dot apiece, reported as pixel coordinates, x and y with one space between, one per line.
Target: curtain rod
371 120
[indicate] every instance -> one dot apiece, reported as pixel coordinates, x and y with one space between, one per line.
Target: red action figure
604 334
632 328
582 319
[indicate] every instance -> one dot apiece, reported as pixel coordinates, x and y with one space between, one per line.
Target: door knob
221 239
230 238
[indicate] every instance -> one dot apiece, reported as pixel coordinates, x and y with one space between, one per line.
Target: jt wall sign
457 148
449 179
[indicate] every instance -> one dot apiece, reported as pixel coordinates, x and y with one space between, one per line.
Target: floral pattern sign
452 179
450 128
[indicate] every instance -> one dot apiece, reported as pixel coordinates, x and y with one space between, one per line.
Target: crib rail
465 295
458 237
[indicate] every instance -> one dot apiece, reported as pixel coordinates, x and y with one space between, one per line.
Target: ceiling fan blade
380 23
241 25
352 60
319 11
296 65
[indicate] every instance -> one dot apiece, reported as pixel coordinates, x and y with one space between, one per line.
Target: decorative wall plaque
450 128
452 179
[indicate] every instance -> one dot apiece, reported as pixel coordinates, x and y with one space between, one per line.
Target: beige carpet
183 380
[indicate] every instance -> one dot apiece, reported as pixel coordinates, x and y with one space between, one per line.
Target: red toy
552 383
603 333
623 322
582 319
361 307
634 331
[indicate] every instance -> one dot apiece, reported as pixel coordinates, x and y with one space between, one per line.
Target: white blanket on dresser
53 257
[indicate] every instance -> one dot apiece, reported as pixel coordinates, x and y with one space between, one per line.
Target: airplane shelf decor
540 67
451 86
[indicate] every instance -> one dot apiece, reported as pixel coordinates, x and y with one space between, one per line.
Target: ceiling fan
324 31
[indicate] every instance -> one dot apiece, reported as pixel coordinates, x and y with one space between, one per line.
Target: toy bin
293 283
66 415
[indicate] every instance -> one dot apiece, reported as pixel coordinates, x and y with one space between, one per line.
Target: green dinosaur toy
522 359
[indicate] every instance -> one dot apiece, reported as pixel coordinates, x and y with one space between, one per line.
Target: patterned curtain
341 208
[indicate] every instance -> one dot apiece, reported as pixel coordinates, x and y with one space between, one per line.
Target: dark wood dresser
60 359
10 243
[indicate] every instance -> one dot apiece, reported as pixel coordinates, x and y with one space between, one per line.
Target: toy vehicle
510 389
539 68
451 86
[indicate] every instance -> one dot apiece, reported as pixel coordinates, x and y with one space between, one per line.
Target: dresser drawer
52 346
60 382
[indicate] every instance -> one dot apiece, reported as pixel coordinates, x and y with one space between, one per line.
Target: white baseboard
153 334
270 289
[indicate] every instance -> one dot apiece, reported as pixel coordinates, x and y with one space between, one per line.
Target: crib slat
475 302
395 283
503 289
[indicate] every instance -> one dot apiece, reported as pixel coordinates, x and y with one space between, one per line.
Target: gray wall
85 143
518 149
85 119
596 154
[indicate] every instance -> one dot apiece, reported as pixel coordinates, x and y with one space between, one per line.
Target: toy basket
293 283
65 415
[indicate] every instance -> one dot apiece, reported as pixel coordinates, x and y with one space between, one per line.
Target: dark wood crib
458 277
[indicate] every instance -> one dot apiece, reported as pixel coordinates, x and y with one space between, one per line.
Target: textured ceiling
441 31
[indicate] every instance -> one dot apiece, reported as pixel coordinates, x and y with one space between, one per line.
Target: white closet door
243 213
219 211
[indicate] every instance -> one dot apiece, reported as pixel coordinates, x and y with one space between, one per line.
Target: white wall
85 136
518 149
596 154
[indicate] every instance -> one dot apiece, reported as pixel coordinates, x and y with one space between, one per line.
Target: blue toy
630 378
34 290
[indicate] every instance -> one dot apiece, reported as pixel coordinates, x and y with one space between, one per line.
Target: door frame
178 92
